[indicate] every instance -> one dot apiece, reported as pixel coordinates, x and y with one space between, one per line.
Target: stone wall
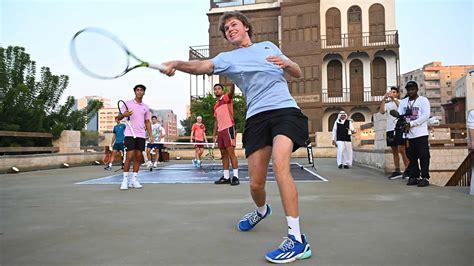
69 142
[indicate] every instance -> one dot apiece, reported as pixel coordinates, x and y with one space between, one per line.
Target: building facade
456 109
106 119
169 120
437 83
348 51
95 122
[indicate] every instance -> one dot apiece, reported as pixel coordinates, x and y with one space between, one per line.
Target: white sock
262 210
294 227
236 173
134 176
226 174
125 175
110 164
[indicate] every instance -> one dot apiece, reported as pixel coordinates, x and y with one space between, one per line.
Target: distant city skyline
429 30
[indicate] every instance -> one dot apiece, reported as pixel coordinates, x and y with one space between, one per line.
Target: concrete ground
357 218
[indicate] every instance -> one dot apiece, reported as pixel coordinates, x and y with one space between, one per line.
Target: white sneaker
135 184
145 163
124 185
155 165
149 164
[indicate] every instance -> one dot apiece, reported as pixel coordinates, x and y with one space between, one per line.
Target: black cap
411 84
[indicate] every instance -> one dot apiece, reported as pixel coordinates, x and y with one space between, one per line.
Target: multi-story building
95 122
456 108
437 83
348 51
106 119
169 120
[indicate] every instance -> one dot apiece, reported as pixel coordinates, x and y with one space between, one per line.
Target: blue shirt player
274 126
117 141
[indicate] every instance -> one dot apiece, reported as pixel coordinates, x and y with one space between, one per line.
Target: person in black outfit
416 110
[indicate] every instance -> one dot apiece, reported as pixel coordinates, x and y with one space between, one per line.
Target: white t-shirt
391 120
157 130
420 109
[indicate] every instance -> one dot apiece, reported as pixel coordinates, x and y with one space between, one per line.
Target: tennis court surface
208 173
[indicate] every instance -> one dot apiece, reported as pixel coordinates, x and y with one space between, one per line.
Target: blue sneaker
290 250
194 163
251 219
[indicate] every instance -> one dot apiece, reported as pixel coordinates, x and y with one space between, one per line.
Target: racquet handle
159 66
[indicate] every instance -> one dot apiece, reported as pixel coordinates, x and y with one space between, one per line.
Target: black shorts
260 129
134 143
395 139
154 146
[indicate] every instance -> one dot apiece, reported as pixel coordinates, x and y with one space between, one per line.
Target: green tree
30 105
205 107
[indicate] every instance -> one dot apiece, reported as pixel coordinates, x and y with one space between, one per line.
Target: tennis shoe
222 180
290 250
135 184
124 185
234 181
251 219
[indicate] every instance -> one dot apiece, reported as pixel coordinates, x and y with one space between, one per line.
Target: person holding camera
415 109
394 134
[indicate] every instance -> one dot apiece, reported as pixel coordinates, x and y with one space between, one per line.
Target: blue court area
207 173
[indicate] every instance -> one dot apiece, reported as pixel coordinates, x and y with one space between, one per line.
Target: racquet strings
99 54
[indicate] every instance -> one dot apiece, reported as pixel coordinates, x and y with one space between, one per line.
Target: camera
402 124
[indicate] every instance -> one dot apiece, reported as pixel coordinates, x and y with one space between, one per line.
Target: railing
462 176
347 96
17 134
198 52
365 39
432 77
228 3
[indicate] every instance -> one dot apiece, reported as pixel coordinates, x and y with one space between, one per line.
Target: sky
159 30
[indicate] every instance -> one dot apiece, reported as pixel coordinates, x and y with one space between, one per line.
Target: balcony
364 40
230 3
199 52
432 77
350 97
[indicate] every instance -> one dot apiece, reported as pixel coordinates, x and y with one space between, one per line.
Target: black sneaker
346 166
423 182
222 180
340 166
235 181
395 175
405 175
412 181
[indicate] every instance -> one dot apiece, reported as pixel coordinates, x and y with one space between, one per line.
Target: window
358 117
333 26
377 23
334 76
379 77
331 121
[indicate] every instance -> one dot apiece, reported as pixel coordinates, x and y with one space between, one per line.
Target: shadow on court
208 173
357 217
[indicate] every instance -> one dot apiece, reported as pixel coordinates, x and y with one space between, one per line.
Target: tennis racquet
101 55
122 108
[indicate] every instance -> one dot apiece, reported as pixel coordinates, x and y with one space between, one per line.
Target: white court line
313 173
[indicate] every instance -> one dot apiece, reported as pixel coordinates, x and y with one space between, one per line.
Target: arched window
358 117
333 26
379 77
334 75
354 23
332 120
377 23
